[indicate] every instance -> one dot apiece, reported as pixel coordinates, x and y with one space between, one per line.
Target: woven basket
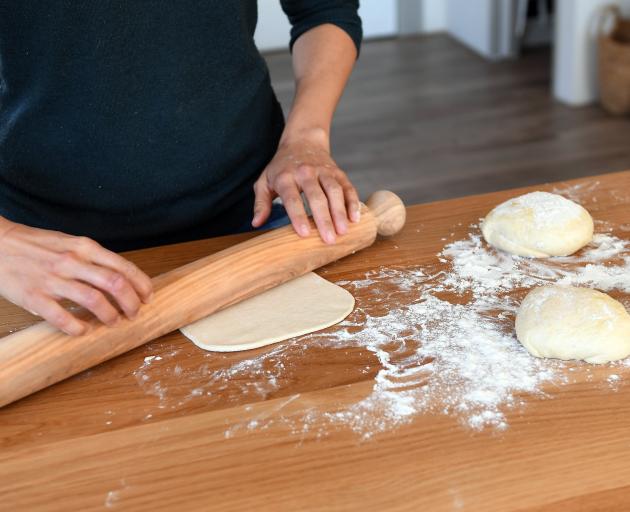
614 63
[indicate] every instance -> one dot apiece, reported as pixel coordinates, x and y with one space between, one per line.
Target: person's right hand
39 268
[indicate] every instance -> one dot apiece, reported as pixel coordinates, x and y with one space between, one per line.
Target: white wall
380 19
272 31
433 15
575 49
486 26
421 16
472 23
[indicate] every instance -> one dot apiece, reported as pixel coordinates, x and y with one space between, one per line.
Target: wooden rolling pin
41 355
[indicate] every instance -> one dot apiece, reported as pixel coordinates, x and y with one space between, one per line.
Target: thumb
262 202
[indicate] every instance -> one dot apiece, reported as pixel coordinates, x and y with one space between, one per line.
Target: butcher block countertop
171 427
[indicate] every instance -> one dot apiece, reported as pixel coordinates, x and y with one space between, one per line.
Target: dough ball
565 322
538 225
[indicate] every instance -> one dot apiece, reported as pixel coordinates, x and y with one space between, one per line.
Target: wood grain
87 443
41 355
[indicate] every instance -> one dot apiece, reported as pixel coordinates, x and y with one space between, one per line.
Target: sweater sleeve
307 14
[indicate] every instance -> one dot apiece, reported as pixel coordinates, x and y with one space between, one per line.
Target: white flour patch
442 340
113 497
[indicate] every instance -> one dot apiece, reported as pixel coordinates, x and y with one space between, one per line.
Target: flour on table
441 338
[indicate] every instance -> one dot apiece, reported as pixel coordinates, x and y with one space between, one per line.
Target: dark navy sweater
139 122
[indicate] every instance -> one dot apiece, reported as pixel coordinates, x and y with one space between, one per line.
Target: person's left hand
305 165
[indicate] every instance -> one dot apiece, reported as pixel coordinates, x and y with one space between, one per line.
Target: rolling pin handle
389 211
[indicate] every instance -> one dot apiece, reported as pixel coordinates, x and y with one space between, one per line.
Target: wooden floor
429 119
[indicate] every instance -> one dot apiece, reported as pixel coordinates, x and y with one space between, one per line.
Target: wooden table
101 440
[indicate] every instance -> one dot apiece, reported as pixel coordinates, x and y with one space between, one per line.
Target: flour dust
442 335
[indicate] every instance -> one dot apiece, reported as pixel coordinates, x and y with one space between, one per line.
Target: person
127 124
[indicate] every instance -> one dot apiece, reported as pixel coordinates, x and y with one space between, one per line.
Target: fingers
318 202
331 197
353 205
132 276
336 203
291 198
88 297
54 314
262 202
303 168
40 268
102 278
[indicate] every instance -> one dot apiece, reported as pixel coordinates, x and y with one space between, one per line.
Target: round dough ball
538 225
565 322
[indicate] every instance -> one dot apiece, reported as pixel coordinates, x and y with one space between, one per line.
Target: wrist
313 134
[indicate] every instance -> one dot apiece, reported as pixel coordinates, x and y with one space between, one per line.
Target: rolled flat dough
301 306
